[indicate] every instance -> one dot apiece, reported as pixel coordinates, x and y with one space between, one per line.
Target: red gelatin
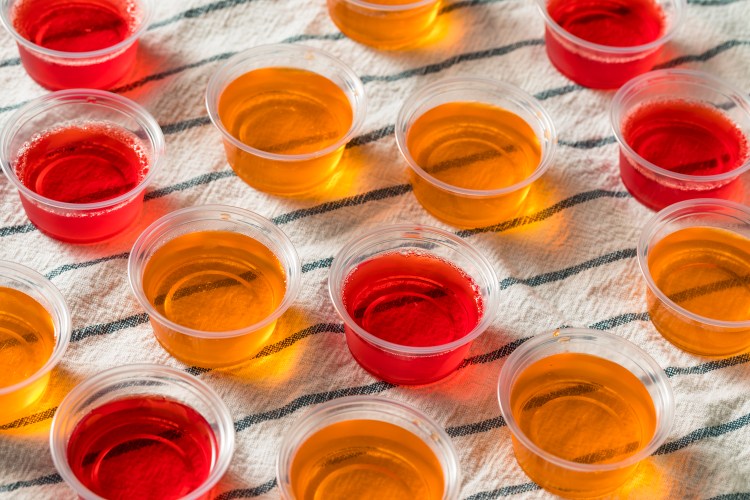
684 137
142 447
610 23
77 26
412 300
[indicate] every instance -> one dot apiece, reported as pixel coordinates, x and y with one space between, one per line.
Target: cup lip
391 8
188 215
401 231
310 424
218 83
6 19
679 10
488 85
587 335
102 98
60 308
669 214
120 374
690 77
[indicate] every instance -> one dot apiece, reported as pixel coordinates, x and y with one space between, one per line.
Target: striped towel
572 262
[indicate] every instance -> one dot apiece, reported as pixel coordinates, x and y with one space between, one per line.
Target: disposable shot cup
565 477
403 364
385 25
97 69
603 66
16 400
80 222
474 207
653 185
366 408
142 380
205 348
687 330
286 174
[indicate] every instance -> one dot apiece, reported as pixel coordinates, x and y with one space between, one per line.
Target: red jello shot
413 298
81 161
67 44
683 135
602 44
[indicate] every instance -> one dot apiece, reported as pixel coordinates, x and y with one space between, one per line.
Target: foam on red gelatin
142 447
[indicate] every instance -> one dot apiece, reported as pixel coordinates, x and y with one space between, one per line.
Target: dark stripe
108 328
465 3
620 320
176 128
318 264
483 426
198 12
15 61
40 481
558 91
30 420
373 136
673 371
11 107
711 3
704 56
309 400
70 267
195 181
700 434
248 492
23 228
296 337
732 496
488 357
164 74
590 143
505 491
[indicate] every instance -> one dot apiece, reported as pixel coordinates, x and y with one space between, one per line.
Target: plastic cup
657 187
142 380
286 174
212 349
377 409
568 478
16 399
474 207
403 364
385 25
687 330
80 222
602 66
96 69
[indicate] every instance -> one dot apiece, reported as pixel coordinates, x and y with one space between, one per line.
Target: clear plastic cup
461 206
603 66
212 349
96 69
405 364
420 427
566 477
16 399
278 173
685 328
657 187
142 381
80 222
385 25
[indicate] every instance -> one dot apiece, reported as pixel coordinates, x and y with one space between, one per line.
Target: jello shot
81 161
583 407
602 44
385 24
695 258
285 113
360 444
413 299
67 44
474 147
683 134
142 431
34 333
214 279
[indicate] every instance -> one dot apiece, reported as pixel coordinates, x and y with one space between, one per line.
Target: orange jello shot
214 280
474 147
286 113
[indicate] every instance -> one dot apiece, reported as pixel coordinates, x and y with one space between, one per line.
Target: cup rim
188 215
588 336
667 215
379 406
679 9
486 85
398 232
218 83
690 77
119 374
389 7
148 12
60 313
102 98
